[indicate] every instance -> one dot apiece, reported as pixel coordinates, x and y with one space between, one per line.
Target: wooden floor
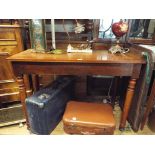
22 130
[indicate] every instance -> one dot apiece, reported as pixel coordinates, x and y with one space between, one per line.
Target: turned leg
22 94
127 104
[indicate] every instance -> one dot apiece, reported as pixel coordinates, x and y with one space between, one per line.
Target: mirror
138 28
142 28
105 28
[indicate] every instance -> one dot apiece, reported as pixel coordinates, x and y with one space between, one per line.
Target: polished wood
142 41
96 63
11 42
149 105
127 104
11 95
98 57
22 91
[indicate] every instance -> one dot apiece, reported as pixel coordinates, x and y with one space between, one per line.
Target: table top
98 56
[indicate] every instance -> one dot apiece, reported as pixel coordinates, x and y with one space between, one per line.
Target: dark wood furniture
96 63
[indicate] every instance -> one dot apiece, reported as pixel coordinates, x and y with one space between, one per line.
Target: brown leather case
88 118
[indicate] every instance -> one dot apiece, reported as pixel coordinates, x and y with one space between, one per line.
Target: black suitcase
46 107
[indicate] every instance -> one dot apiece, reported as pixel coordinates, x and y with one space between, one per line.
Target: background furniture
11 42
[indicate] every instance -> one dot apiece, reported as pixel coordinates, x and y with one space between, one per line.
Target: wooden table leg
127 104
22 93
35 82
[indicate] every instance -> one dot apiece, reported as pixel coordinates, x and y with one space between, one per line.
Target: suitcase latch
43 96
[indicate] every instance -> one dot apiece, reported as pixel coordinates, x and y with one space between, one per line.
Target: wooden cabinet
11 42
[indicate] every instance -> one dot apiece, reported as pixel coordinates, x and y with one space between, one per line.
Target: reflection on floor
22 130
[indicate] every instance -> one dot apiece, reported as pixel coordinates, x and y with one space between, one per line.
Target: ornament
79 27
119 29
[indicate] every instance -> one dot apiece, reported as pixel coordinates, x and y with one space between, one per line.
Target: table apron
109 69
